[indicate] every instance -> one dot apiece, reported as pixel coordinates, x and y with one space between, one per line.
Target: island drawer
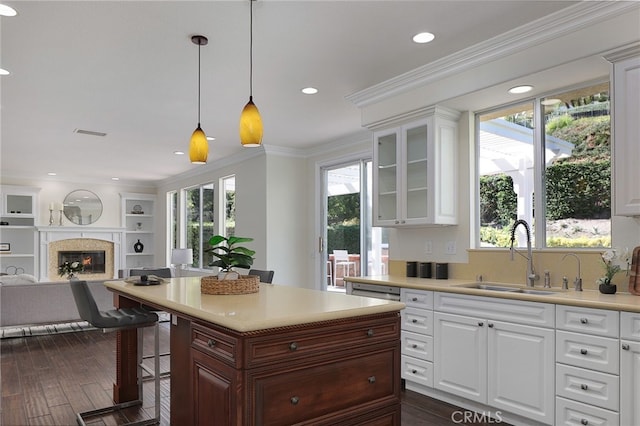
417 345
331 341
600 322
581 350
311 391
215 344
587 386
417 320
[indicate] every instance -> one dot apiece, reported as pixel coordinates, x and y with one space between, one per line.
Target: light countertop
587 298
273 306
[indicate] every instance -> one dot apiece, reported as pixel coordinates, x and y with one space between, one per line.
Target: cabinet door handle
490 325
584 422
211 343
584 321
295 400
414 299
414 371
584 387
583 351
293 346
414 346
372 379
480 323
370 332
625 346
414 321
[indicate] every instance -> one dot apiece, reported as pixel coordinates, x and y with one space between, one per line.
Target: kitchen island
281 356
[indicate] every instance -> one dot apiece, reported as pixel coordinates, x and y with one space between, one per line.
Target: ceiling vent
89 132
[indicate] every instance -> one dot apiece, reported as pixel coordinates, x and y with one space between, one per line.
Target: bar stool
114 320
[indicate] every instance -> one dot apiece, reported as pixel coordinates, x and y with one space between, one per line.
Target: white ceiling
129 69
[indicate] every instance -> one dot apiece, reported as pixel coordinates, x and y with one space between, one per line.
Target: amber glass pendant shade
250 125
198 147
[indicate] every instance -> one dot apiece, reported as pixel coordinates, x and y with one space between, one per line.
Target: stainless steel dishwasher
376 291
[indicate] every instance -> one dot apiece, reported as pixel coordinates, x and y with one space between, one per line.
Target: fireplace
93 261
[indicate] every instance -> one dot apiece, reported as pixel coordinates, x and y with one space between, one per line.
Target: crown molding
624 52
544 29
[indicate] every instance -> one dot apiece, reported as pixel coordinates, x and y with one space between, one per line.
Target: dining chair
116 320
265 276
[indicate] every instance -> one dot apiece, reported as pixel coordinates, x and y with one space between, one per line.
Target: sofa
24 302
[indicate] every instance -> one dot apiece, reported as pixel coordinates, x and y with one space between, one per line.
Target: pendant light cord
251 49
199 47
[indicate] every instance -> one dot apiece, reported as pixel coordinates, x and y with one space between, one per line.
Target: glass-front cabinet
415 171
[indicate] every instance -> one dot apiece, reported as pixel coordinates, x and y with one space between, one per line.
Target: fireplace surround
54 240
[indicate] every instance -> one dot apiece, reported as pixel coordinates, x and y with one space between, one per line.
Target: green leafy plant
229 254
70 268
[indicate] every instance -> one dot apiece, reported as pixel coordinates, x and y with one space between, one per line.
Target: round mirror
82 207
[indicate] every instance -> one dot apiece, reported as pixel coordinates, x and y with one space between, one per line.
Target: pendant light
199 146
250 121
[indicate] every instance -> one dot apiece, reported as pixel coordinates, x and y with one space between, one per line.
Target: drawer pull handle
414 371
414 321
414 299
295 400
293 346
211 343
584 321
372 379
480 323
625 346
490 325
584 387
583 351
370 332
584 422
414 346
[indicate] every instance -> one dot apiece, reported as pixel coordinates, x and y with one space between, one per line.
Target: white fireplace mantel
49 234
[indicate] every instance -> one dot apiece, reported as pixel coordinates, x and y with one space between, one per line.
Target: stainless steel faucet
577 283
531 274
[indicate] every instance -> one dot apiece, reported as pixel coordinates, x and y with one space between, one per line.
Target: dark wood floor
47 379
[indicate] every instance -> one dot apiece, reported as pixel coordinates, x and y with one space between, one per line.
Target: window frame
539 168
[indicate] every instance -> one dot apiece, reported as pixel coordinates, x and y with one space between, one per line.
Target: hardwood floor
47 379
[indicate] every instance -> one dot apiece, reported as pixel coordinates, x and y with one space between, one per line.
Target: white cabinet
415 171
625 84
488 351
19 239
629 368
417 338
587 365
138 212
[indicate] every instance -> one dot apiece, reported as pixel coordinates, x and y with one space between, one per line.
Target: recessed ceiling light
423 38
211 138
3 71
115 178
178 152
52 173
550 101
520 89
7 10
309 90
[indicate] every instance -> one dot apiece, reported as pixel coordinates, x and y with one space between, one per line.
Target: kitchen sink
506 288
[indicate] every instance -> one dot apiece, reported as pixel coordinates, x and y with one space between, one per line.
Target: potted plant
609 258
230 255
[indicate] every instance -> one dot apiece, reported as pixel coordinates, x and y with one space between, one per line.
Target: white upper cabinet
625 84
415 171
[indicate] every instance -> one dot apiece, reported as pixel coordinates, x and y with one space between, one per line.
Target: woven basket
245 284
